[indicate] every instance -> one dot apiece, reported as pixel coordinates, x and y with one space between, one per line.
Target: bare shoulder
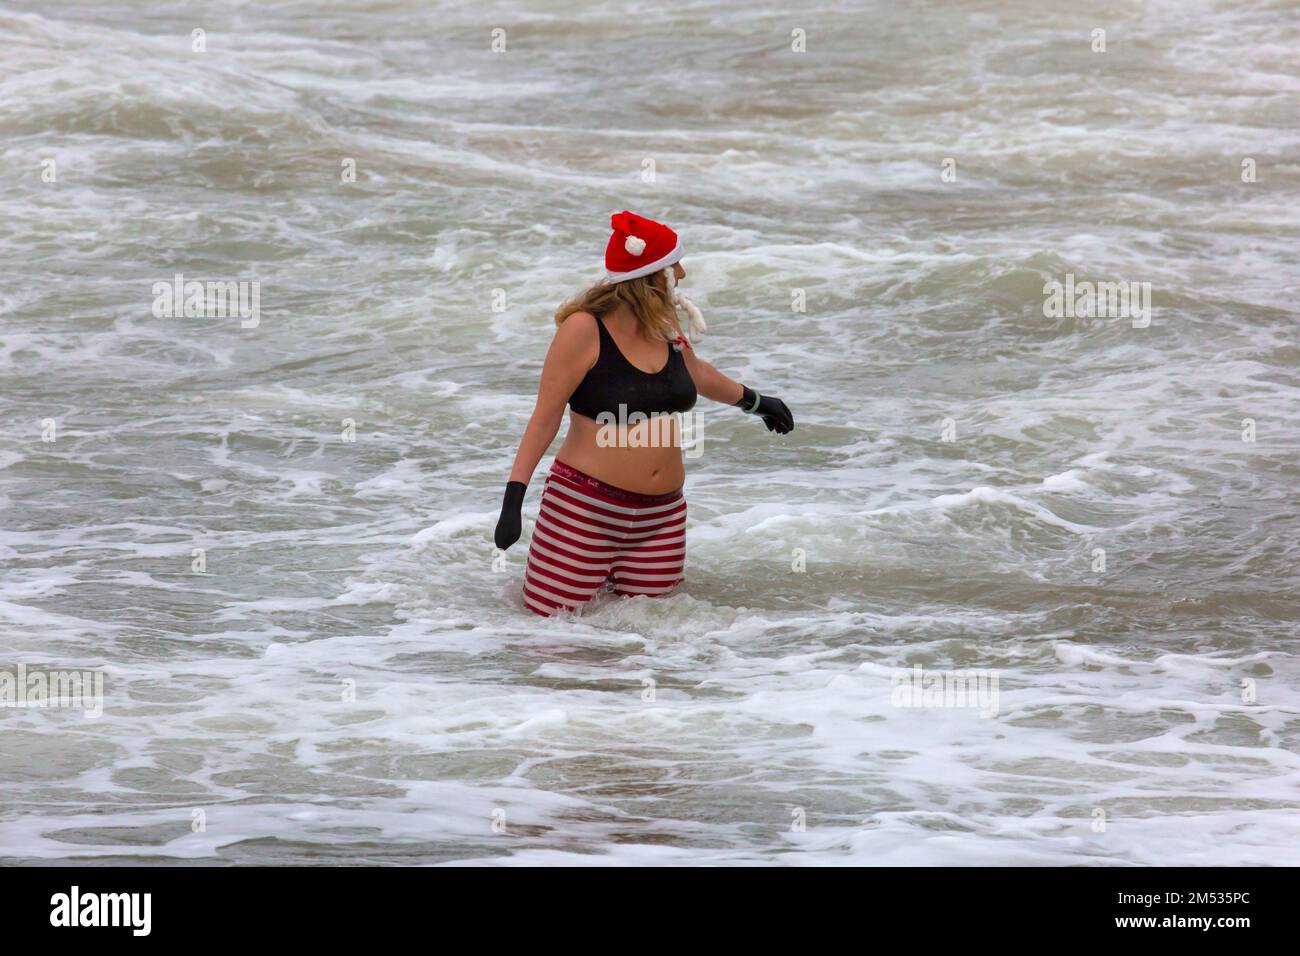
578 324
577 337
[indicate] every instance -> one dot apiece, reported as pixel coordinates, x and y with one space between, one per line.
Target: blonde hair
649 301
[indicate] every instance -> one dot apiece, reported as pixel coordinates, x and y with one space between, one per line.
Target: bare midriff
645 457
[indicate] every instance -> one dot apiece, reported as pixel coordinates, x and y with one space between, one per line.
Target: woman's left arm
711 383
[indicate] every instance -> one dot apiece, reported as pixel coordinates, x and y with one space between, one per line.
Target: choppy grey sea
271 533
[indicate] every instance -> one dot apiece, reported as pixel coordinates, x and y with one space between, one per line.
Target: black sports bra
614 381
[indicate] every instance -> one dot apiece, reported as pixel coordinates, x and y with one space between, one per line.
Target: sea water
1020 588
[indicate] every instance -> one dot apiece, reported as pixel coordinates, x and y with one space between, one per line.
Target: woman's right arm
573 351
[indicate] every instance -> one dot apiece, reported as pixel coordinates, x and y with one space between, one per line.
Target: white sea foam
303 625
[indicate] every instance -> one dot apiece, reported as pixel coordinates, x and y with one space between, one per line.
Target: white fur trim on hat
649 267
634 245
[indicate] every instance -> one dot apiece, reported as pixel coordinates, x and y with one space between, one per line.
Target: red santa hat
639 247
642 247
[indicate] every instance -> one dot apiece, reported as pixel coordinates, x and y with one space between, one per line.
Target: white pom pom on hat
634 245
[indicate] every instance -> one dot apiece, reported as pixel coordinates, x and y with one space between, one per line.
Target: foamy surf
274 541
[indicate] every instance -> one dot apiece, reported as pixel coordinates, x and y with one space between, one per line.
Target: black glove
511 521
775 415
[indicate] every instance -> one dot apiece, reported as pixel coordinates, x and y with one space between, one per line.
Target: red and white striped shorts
589 532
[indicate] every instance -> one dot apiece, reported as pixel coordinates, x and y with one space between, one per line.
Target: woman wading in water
612 508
